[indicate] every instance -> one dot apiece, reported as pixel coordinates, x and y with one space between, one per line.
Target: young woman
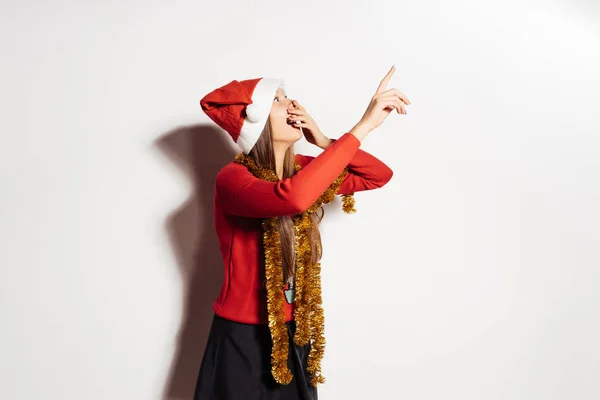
266 339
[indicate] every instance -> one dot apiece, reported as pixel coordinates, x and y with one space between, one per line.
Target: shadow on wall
200 151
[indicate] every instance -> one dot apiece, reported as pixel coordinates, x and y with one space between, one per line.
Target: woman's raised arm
240 193
366 172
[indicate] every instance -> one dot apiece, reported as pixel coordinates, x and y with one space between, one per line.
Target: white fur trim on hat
258 112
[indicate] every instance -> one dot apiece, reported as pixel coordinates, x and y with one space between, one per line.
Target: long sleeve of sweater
366 172
240 193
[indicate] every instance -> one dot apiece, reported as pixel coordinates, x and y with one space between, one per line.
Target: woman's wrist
360 130
323 144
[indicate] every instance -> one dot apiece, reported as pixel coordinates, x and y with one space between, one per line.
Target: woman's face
281 130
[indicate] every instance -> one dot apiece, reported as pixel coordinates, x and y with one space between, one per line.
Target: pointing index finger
385 80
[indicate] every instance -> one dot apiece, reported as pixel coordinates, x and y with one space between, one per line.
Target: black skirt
237 365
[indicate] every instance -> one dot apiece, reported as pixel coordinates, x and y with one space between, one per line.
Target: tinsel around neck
308 311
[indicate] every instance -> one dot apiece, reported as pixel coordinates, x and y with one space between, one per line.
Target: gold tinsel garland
308 312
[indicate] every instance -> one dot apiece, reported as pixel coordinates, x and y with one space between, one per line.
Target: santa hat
242 108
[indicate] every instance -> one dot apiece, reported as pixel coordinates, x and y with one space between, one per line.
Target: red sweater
242 200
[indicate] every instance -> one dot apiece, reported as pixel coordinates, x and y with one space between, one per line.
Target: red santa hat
242 108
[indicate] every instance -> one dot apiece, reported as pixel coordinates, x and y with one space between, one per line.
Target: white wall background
473 275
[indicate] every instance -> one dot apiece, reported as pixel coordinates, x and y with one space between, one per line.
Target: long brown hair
264 157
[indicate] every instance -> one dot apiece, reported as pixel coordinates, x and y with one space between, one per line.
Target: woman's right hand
381 105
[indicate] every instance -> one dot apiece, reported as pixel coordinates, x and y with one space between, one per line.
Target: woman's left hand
312 133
